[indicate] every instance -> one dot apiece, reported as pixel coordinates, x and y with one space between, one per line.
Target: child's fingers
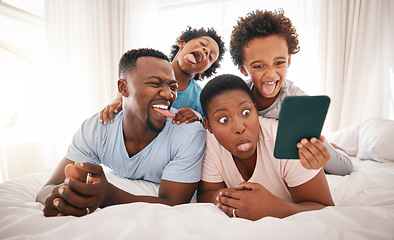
104 115
186 116
118 108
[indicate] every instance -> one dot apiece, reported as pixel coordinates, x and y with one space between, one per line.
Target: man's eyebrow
172 81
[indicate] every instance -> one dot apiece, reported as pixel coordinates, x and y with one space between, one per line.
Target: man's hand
186 115
313 154
76 197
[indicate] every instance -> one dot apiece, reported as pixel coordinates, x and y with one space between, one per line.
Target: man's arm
57 178
98 192
50 191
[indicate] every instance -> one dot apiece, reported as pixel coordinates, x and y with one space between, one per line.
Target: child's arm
186 115
253 201
114 107
340 163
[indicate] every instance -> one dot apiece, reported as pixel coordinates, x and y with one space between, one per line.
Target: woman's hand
251 201
313 154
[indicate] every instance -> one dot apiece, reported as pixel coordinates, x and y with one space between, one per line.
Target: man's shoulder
93 126
185 128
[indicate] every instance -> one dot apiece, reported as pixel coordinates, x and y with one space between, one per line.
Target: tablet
299 117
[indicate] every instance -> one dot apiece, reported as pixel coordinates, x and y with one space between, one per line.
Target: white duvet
364 210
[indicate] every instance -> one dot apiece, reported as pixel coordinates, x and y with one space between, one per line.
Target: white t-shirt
273 174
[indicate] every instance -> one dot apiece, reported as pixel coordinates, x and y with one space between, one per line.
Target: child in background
195 55
239 172
261 47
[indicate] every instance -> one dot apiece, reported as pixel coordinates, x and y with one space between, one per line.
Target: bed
364 205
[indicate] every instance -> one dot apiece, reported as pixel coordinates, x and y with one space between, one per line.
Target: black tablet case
299 117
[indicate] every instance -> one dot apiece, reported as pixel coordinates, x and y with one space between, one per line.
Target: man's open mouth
163 110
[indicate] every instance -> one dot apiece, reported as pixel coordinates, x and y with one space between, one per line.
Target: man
137 145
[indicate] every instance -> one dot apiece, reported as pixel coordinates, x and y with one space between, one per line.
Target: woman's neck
246 166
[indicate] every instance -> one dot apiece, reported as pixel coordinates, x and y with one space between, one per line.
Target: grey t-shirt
340 163
288 89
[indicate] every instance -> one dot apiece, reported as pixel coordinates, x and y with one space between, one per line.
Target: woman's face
232 117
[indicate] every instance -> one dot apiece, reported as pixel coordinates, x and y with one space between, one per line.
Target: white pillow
376 140
346 138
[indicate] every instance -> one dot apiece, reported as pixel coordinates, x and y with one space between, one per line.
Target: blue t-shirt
174 155
189 98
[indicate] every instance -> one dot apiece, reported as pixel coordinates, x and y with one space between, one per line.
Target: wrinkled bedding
364 210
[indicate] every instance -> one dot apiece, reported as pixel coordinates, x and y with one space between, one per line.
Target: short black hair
192 33
219 85
262 24
129 59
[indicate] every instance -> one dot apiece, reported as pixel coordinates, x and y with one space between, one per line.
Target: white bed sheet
364 210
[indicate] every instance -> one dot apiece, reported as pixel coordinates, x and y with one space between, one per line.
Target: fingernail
313 140
217 198
221 193
56 203
61 190
304 141
67 181
80 164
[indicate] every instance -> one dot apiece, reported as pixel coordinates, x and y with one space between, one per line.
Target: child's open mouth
269 87
194 57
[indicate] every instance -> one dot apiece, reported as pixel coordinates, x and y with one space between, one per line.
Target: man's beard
152 127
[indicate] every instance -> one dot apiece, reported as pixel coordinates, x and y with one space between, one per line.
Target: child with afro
261 46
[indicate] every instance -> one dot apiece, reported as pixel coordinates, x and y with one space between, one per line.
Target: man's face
151 89
197 55
233 119
266 60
